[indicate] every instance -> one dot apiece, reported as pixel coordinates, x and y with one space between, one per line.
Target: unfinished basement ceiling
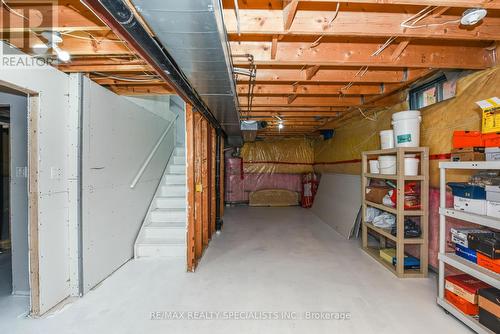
193 33
320 60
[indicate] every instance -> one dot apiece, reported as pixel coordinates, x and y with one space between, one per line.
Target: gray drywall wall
50 89
118 135
178 107
18 104
338 201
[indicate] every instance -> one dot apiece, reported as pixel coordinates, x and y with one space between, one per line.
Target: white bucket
387 139
411 166
374 167
406 126
387 164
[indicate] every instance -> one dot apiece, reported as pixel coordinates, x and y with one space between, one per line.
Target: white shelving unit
451 259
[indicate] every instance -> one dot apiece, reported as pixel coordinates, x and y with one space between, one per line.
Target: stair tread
161 241
166 225
176 210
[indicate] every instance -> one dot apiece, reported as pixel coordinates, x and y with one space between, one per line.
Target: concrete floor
266 259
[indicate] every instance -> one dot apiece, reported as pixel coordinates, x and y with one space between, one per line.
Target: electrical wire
115 77
92 38
316 42
14 11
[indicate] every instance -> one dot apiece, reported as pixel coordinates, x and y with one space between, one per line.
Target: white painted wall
118 135
18 188
53 148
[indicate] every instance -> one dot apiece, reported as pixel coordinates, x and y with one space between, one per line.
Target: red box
460 303
488 263
491 139
465 286
463 139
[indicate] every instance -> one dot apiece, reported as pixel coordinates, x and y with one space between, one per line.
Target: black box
489 308
473 239
490 247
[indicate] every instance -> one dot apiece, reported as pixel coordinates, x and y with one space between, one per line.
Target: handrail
151 155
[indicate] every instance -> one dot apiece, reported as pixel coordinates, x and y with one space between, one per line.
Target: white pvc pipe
151 155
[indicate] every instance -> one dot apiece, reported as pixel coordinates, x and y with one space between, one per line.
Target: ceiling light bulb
280 125
472 16
63 56
40 49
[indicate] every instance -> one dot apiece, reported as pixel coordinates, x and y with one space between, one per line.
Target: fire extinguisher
307 190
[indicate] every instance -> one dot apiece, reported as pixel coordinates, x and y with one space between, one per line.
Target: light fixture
54 38
472 16
280 125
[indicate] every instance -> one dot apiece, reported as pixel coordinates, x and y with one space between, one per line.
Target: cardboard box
460 303
489 309
490 247
461 235
477 206
492 153
491 140
464 189
492 193
491 114
473 239
465 286
493 209
488 263
376 194
466 253
468 154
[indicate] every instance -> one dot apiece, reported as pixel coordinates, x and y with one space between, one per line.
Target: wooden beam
311 71
303 89
274 47
289 12
359 54
399 49
331 75
453 3
354 23
292 114
302 101
104 68
142 89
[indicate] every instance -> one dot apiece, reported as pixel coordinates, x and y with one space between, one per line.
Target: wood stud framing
201 196
309 55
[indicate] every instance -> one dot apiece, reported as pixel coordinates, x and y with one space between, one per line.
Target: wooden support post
212 182
198 186
400 219
191 188
205 135
222 179
424 200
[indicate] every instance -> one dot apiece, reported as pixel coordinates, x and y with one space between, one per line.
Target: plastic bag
385 220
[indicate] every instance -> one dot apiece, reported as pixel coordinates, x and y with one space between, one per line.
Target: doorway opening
14 226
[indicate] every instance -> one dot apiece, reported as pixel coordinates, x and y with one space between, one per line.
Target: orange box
460 303
488 263
491 139
463 139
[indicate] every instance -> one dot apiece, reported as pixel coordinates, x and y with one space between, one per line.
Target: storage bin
463 139
466 190
492 153
491 139
489 308
406 126
386 139
387 164
477 206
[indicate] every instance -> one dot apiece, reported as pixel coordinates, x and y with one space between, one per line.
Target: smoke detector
472 16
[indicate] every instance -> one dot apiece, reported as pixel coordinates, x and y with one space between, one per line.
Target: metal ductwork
193 33
119 17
